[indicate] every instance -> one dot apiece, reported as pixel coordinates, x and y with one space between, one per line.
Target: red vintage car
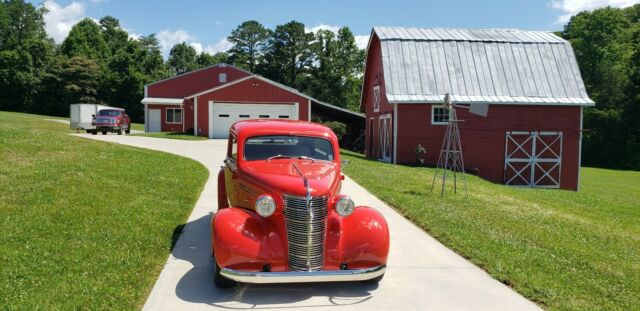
281 217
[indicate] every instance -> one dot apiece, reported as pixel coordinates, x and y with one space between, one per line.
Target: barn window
376 98
263 116
283 117
244 116
439 115
174 115
222 78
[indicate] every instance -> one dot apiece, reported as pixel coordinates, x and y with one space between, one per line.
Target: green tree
338 68
289 55
150 58
205 59
80 77
114 36
182 58
602 41
24 49
249 41
86 39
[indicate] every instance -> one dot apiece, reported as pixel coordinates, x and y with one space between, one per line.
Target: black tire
104 133
119 131
94 132
219 280
376 280
128 130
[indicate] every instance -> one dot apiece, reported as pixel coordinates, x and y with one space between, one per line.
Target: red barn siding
374 76
250 91
193 82
164 126
483 139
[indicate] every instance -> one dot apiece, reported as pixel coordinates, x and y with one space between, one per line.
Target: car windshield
278 147
110 113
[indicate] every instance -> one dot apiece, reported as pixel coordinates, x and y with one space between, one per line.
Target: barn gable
479 66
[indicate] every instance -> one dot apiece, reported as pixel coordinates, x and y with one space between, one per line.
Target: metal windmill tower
451 158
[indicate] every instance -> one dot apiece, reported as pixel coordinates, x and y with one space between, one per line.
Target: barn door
533 159
385 130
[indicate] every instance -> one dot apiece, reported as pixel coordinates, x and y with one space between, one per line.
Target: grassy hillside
565 250
85 224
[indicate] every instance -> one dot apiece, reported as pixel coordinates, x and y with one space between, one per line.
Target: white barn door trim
533 159
210 119
385 130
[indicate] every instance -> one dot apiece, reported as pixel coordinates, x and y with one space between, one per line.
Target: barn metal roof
497 66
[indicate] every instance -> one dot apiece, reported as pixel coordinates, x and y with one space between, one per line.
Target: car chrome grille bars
306 225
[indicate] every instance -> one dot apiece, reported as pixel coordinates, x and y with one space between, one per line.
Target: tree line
607 46
98 62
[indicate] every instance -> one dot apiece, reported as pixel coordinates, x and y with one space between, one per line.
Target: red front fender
243 240
360 240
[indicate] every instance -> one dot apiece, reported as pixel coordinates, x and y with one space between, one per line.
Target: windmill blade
479 109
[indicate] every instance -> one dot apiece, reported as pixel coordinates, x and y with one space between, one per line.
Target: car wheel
219 280
94 132
104 133
119 131
128 131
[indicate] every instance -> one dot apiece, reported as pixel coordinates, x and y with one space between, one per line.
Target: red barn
207 101
533 131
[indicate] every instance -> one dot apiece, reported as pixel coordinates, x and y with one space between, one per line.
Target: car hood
281 175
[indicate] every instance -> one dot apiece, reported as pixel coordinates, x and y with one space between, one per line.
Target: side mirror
93 116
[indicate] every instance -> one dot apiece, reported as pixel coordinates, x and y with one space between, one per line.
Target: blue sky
206 24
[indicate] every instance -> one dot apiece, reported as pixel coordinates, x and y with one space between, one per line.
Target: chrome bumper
303 277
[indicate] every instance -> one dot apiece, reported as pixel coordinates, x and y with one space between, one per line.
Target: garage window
174 115
439 115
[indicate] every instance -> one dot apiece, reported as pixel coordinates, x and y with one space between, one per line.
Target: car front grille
306 226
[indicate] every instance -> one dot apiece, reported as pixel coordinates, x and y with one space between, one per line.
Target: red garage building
207 101
530 79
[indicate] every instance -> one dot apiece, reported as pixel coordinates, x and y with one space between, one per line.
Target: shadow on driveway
196 286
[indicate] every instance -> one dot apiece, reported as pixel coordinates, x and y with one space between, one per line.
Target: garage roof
497 66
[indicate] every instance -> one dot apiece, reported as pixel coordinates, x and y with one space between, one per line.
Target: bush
340 129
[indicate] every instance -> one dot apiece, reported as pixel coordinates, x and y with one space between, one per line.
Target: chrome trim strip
303 277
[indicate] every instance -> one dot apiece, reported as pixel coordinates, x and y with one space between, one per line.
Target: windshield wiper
280 156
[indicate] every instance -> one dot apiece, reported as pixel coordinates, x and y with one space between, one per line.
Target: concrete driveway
422 274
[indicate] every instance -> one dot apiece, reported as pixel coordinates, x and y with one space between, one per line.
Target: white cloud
332 28
361 40
573 7
221 46
59 19
167 39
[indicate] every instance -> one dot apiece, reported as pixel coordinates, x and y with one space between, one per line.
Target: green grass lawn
171 135
562 249
85 224
137 126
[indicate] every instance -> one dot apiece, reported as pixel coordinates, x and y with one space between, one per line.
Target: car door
231 170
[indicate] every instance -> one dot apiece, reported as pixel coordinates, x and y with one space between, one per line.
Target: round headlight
344 206
265 205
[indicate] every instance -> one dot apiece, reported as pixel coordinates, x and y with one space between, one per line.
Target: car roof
249 128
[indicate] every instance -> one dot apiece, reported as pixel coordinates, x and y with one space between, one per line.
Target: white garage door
224 115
